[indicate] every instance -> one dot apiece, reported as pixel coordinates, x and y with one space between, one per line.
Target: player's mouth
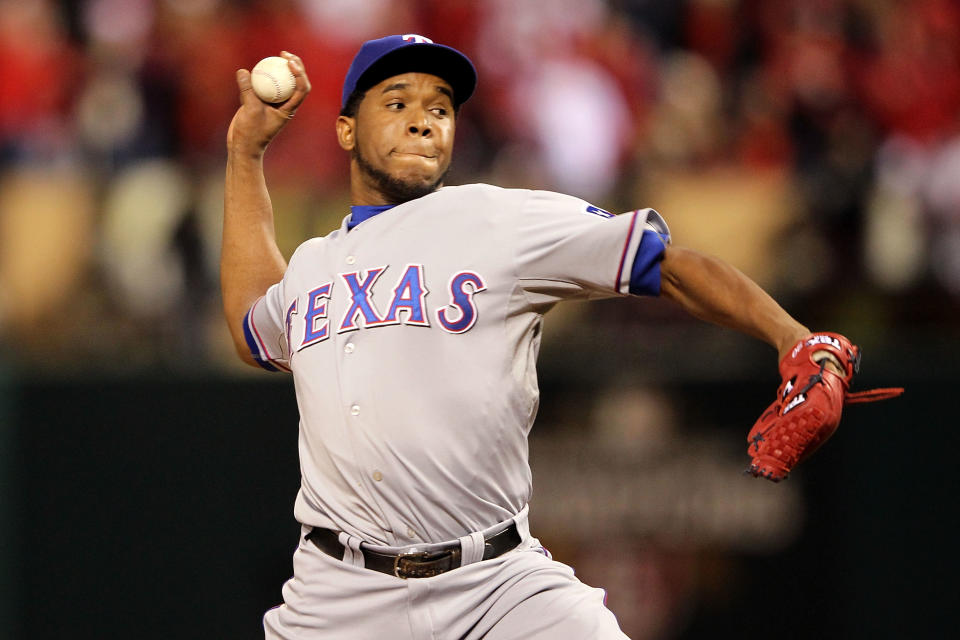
413 154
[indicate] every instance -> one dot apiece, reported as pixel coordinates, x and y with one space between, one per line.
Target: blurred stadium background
147 478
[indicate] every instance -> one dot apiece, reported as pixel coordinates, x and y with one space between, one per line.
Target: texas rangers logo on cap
380 59
416 38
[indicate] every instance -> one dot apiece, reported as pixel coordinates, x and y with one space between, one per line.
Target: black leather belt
416 565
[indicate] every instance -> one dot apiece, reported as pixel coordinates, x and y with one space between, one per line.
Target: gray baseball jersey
413 338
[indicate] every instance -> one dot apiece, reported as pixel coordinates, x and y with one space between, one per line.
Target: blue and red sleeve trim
255 343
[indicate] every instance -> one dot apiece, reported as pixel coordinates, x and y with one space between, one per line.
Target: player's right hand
256 123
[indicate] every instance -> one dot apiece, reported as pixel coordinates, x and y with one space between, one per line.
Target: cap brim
436 59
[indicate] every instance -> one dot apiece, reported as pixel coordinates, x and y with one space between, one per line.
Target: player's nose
419 125
419 129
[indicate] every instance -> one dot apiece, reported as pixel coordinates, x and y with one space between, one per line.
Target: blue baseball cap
380 59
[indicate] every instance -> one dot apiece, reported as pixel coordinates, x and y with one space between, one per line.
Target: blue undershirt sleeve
645 273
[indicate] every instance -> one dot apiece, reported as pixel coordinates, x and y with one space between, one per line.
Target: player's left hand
256 123
816 375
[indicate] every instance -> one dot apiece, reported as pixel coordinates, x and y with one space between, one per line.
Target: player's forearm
250 260
716 292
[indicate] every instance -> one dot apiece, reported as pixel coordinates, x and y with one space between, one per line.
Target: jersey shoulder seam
515 266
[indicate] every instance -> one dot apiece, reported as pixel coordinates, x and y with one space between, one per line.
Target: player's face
401 139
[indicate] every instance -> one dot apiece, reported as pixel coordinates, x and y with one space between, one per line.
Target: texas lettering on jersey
407 304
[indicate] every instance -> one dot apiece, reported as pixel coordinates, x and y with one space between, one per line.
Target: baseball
272 79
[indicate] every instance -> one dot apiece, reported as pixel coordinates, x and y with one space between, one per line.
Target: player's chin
419 188
402 188
421 176
418 179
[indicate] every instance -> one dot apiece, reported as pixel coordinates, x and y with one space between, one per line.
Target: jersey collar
359 213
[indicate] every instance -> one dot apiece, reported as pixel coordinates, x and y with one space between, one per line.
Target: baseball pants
522 594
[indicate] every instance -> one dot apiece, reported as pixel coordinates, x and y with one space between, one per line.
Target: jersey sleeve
264 327
568 248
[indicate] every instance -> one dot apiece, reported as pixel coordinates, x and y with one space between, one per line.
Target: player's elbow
244 354
240 344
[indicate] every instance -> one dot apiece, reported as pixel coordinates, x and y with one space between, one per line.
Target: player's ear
346 132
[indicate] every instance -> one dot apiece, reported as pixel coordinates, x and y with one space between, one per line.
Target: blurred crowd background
814 144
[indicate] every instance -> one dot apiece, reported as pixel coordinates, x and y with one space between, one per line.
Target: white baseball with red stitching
272 80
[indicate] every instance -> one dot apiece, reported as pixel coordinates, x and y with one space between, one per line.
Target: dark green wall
155 508
9 604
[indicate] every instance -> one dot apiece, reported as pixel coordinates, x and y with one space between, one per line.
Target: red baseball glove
808 405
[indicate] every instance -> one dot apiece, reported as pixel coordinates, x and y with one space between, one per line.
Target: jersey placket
355 397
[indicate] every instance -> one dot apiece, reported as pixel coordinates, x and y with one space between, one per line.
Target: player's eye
396 106
440 111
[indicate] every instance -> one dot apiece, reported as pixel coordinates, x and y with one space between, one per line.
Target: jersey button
355 410
351 259
411 533
348 348
377 476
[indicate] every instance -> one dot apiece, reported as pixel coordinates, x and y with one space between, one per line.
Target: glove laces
872 395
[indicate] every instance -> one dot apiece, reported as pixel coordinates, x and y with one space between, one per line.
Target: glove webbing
856 397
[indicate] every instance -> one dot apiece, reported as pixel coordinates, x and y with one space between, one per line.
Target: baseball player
412 333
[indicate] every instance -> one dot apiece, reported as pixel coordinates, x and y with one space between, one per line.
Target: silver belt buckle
402 562
412 556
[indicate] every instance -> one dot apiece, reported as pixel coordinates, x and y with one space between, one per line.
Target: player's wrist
245 152
245 141
789 337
